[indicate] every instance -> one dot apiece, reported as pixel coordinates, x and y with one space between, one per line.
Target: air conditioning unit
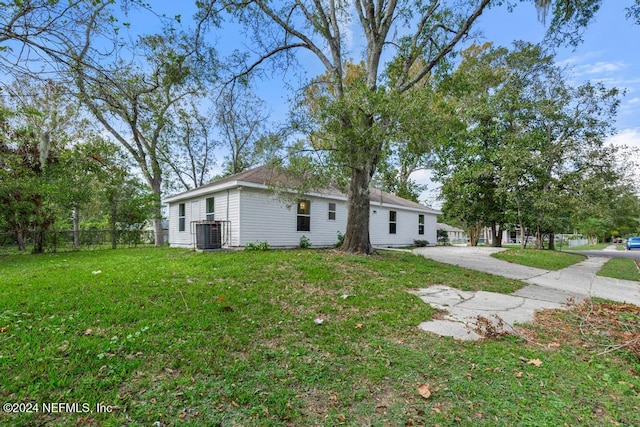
208 235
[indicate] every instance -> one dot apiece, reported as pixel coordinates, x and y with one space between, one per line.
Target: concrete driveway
545 289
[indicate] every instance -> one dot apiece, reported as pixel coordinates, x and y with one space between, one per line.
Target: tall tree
39 123
414 36
240 118
418 36
133 102
530 144
187 148
129 89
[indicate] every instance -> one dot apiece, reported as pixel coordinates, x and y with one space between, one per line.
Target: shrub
420 243
257 246
340 240
304 242
443 236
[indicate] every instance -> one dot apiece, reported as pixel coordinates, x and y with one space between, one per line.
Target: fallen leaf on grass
535 362
4 329
518 374
424 390
359 326
88 331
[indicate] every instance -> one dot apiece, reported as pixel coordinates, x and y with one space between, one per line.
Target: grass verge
596 247
547 260
185 338
621 268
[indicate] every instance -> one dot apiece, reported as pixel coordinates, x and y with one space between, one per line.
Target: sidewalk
545 290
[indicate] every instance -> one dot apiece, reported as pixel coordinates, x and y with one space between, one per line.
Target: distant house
242 209
456 235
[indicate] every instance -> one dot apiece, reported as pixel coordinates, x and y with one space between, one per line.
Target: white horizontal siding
265 218
226 209
430 229
256 215
406 227
177 238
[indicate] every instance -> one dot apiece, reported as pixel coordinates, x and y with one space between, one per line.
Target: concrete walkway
545 290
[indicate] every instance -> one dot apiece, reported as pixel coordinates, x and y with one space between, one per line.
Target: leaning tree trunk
356 238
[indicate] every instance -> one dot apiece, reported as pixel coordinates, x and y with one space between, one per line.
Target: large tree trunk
114 232
539 239
76 227
158 237
523 237
356 238
552 241
38 242
474 234
496 240
20 240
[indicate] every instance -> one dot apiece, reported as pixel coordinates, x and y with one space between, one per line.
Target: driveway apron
468 312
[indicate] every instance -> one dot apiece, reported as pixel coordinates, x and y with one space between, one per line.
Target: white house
243 208
456 235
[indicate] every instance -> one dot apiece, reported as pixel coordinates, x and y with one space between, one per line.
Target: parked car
633 243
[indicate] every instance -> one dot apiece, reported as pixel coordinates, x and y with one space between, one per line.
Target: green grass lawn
547 260
620 268
229 338
596 247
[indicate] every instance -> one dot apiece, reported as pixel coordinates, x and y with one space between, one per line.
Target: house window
209 215
392 222
420 224
181 217
332 211
304 215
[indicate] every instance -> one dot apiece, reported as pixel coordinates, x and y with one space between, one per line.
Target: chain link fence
60 241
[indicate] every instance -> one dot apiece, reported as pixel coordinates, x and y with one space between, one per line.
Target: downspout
228 223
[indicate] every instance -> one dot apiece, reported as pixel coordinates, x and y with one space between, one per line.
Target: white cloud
626 137
604 67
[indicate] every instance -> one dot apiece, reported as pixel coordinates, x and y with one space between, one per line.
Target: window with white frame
209 214
182 219
392 222
304 215
332 211
420 224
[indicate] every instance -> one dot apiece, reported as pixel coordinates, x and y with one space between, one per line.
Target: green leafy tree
355 116
134 102
359 114
529 143
129 87
38 123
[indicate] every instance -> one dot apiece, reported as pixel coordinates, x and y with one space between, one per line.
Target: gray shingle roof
269 176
